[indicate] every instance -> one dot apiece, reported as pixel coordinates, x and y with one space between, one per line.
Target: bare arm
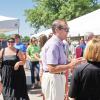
36 56
1 51
1 87
61 68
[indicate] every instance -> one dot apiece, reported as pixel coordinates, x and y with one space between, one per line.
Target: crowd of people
51 60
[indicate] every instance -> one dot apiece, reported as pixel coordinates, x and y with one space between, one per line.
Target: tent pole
18 29
18 25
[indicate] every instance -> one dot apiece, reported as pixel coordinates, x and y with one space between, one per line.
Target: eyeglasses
66 29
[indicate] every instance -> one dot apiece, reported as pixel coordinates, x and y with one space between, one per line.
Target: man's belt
54 73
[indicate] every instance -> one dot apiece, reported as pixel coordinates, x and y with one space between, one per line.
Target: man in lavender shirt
55 62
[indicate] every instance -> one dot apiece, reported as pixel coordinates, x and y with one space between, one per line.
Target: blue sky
15 8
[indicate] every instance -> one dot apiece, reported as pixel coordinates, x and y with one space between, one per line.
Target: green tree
3 36
26 39
46 11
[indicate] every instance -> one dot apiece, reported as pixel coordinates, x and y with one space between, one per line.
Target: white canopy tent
86 23
8 24
46 32
79 26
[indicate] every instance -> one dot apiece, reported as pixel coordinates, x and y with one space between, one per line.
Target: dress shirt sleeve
52 55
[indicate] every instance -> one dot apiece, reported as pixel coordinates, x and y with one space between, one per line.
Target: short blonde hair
92 50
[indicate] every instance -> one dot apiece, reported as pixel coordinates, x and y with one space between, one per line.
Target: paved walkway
33 93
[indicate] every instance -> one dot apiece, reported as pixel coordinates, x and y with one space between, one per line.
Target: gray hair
58 24
88 36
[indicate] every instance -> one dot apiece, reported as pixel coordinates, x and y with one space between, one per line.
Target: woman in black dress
13 75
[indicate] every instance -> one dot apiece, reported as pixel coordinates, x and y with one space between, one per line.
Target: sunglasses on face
66 29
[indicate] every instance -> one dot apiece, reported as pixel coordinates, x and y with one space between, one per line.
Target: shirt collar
57 39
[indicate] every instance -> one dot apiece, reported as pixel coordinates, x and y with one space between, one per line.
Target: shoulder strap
2 54
85 66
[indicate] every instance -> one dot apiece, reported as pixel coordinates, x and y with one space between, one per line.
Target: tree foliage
26 39
3 36
46 11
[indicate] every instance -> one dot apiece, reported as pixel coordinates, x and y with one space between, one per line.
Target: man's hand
77 61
